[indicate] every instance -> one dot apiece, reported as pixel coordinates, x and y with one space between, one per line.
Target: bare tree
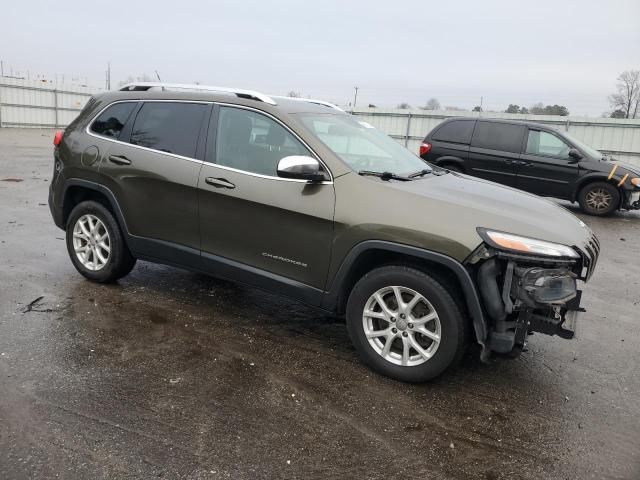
627 98
293 94
403 106
138 78
432 104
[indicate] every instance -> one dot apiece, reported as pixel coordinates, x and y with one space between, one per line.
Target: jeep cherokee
302 199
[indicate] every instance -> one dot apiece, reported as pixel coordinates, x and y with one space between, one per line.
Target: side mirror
300 167
575 155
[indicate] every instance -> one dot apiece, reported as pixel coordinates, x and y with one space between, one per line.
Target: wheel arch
372 254
78 190
584 181
451 160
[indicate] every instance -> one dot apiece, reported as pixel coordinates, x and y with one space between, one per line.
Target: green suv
299 198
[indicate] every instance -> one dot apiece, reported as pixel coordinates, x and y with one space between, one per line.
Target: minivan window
171 127
546 144
503 137
457 131
111 122
252 142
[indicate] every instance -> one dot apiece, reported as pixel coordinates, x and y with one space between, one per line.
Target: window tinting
110 122
457 131
498 136
169 127
252 142
547 144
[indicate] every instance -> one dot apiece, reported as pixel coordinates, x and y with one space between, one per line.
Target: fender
472 300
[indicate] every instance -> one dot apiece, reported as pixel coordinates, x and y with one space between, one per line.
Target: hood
447 209
633 169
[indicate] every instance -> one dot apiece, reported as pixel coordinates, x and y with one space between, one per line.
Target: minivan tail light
57 138
425 148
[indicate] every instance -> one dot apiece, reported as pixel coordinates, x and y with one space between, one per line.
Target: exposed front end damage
522 294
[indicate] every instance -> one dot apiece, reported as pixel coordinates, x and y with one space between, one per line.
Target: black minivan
535 158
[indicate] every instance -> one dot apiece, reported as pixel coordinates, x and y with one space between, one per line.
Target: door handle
120 160
508 162
219 182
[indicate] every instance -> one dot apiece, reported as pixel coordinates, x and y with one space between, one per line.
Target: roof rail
311 100
145 86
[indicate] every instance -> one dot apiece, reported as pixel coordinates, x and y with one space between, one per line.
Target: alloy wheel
599 199
91 242
402 326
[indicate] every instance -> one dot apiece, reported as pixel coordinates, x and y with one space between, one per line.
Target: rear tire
599 198
411 355
96 245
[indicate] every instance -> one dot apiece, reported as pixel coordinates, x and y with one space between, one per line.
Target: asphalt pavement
171 374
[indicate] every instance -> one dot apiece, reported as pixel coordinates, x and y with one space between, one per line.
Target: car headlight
635 182
532 246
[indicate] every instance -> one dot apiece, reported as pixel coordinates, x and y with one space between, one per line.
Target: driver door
249 215
546 167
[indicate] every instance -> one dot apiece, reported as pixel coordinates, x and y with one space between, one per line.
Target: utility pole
1 68
355 98
481 98
108 76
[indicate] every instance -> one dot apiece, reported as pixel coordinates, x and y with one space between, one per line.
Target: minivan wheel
95 243
404 324
599 198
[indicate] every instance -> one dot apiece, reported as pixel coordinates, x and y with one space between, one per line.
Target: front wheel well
585 183
76 194
376 258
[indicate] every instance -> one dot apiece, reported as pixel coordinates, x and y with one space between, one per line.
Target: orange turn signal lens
635 182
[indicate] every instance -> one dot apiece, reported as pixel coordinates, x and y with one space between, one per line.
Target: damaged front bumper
523 294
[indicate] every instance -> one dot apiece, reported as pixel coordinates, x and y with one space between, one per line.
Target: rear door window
111 122
457 131
504 137
171 127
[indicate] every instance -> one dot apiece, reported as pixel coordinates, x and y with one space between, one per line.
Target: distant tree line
539 109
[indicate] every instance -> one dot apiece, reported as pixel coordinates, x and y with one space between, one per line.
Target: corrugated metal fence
619 137
33 103
25 103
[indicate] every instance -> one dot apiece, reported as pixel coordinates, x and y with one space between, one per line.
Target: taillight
425 148
57 138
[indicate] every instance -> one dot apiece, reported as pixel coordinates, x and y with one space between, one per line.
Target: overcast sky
562 51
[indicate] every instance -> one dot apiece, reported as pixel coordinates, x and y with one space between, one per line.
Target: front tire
96 245
404 324
599 198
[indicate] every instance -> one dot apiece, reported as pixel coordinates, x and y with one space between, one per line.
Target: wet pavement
172 374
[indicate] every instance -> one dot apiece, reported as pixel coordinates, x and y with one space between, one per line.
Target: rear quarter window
111 122
504 137
456 131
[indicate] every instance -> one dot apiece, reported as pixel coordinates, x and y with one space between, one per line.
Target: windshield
361 146
590 151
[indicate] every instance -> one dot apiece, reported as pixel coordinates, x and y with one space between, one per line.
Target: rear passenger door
153 173
495 151
546 167
451 141
251 216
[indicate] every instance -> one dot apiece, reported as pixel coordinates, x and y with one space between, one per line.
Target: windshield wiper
421 173
386 176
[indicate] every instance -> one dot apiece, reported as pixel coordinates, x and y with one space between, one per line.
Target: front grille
589 253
